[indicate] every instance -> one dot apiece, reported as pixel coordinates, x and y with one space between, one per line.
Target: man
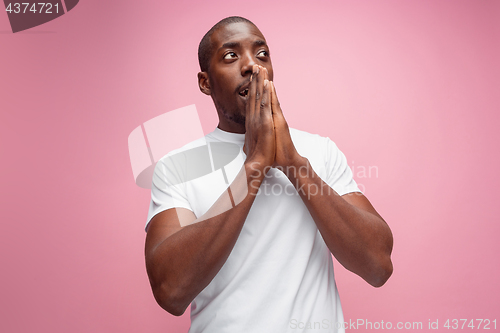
263 262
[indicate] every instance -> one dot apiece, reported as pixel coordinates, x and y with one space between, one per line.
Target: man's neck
236 128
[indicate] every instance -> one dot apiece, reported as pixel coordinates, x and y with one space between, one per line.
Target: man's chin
236 117
239 119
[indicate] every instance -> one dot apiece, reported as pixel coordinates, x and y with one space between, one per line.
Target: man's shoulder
190 145
303 135
315 147
306 140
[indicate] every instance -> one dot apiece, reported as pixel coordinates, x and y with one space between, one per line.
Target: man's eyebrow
260 42
233 45
230 45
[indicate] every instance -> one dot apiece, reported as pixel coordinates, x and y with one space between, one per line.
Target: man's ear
203 83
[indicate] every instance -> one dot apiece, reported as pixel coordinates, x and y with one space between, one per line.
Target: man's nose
247 62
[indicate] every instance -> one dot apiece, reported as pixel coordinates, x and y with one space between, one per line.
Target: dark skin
182 256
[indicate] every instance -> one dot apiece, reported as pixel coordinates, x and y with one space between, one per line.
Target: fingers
266 97
275 104
259 97
259 137
265 106
252 91
259 82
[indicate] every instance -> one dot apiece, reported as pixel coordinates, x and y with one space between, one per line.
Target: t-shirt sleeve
167 188
338 173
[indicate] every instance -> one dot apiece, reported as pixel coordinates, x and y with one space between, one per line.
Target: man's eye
230 55
262 53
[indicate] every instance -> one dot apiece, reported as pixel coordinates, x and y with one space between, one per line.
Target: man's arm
353 231
181 261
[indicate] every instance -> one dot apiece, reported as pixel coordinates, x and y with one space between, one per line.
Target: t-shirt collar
221 135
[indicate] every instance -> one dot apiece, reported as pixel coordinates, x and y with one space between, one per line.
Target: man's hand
286 154
267 139
259 139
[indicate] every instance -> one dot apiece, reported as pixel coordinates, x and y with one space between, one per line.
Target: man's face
236 48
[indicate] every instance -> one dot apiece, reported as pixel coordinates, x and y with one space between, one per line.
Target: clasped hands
267 138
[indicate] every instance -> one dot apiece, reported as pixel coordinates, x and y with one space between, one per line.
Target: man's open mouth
244 92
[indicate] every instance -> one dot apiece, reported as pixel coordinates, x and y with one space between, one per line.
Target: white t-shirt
279 276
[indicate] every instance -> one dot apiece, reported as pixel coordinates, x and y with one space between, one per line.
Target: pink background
408 87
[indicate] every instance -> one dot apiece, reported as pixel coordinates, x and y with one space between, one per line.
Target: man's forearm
359 239
182 265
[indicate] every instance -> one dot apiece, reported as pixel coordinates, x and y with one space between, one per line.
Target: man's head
227 54
206 47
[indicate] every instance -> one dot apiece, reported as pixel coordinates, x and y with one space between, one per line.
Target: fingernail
266 82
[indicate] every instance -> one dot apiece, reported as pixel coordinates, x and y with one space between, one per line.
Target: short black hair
205 49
